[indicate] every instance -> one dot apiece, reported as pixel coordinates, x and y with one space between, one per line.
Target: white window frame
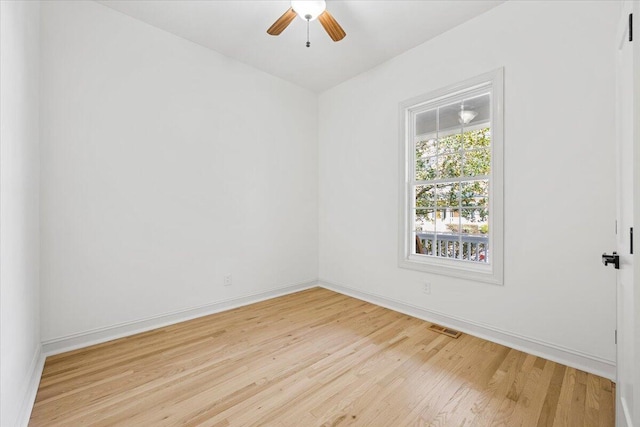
491 272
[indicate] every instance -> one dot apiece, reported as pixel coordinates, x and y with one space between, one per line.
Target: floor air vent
446 331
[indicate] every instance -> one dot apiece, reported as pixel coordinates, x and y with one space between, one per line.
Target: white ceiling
377 30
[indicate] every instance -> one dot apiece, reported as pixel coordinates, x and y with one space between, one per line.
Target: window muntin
452 186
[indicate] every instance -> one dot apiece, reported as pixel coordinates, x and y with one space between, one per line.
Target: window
451 217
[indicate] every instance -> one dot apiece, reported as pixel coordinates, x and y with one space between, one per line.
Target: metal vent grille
446 331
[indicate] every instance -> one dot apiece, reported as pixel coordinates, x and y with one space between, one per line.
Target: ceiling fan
309 10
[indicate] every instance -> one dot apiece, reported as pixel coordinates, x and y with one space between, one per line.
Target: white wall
559 173
165 166
19 246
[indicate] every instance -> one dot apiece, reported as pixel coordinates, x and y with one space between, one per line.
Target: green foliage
466 155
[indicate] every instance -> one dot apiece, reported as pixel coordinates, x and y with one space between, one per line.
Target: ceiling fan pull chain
308 20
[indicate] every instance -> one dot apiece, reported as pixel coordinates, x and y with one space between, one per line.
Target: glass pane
425 220
425 196
451 143
480 138
476 110
424 243
483 249
447 221
478 217
449 121
477 162
426 122
447 226
448 246
424 226
426 168
474 193
447 194
426 147
475 248
449 166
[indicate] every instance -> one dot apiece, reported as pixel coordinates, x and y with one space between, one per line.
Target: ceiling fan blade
331 26
282 22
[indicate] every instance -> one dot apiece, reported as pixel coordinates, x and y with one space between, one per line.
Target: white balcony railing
462 246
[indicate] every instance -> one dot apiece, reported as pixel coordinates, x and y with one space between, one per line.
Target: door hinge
631 27
615 336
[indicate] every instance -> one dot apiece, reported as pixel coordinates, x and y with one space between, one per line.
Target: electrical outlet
227 280
426 287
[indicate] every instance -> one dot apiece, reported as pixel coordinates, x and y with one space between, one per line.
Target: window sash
413 183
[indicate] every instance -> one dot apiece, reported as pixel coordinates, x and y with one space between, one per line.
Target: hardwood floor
314 358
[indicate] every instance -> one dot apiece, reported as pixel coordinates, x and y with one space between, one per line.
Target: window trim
487 273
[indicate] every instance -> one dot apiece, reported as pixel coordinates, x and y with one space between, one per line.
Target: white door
627 362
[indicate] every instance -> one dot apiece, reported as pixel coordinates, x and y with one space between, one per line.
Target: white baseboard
575 359
100 335
31 389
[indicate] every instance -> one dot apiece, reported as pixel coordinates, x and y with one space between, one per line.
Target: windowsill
454 268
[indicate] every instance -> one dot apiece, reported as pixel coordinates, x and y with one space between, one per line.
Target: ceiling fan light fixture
308 10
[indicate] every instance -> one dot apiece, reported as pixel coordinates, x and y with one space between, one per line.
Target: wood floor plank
563 410
548 412
491 399
505 412
592 402
606 412
534 394
313 358
578 400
